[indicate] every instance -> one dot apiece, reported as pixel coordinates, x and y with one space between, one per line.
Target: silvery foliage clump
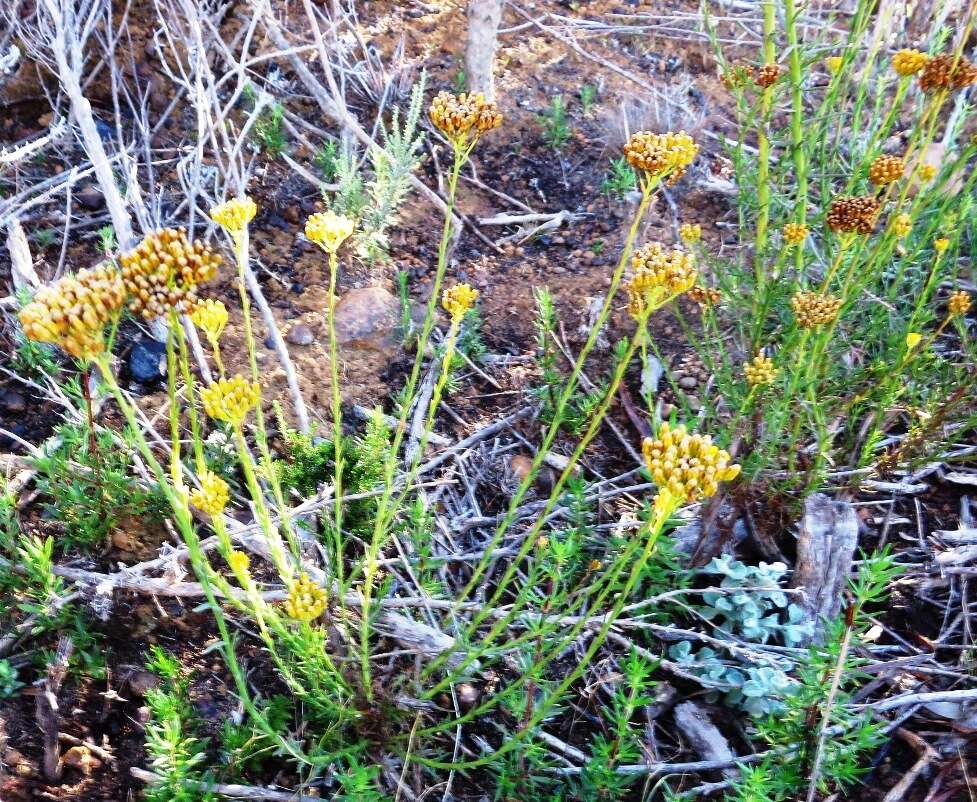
753 609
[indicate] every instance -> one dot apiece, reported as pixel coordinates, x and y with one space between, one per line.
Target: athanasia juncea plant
750 606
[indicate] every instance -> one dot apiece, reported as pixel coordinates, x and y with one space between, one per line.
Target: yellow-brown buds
794 233
234 215
940 245
853 215
210 317
661 154
767 75
306 600
833 64
759 371
328 230
814 309
690 233
738 75
926 171
659 275
908 62
688 466
162 272
902 225
458 300
213 494
958 303
886 169
72 312
464 118
231 399
705 296
947 72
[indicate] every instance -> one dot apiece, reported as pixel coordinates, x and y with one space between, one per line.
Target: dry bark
825 547
483 27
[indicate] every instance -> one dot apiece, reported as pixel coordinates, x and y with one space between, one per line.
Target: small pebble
300 334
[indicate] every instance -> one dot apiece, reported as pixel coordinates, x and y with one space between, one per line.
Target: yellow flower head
833 64
902 225
72 313
958 304
940 245
690 233
760 370
946 71
795 233
767 75
814 309
661 154
908 62
328 230
659 275
689 466
927 172
213 494
885 170
458 300
853 215
912 340
234 215
239 561
210 317
464 118
231 399
162 272
306 600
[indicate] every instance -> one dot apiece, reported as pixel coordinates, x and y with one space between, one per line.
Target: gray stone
300 334
368 317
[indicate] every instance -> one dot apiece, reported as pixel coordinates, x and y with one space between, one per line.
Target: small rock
269 342
300 334
368 317
291 214
90 198
147 361
694 403
467 695
688 382
12 401
142 682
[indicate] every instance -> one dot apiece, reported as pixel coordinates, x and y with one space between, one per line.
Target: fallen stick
232 790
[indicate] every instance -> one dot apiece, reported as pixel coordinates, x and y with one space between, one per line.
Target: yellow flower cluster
328 230
902 224
658 276
72 312
947 72
795 233
927 172
458 300
231 399
239 562
212 495
690 233
163 271
908 62
234 215
886 169
759 371
210 317
940 245
661 154
833 64
306 600
853 215
464 118
814 309
958 304
689 466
